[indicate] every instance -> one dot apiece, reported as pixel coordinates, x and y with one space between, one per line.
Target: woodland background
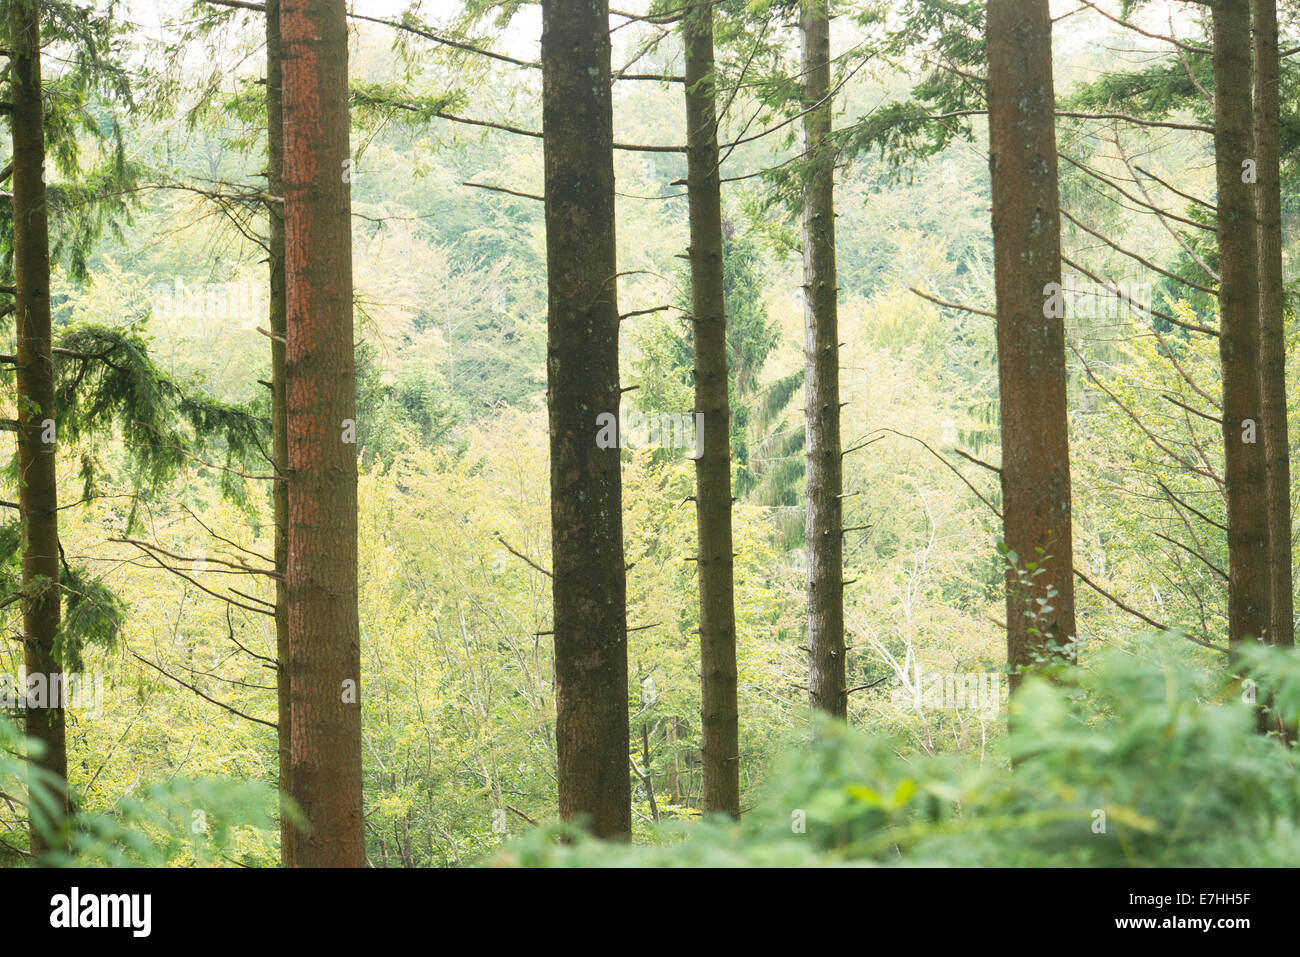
159 240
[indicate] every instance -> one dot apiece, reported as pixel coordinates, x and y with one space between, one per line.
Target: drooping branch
524 558
1146 203
1175 190
1155 440
1172 320
147 549
1195 553
235 568
1179 44
184 684
951 305
1138 258
1191 508
948 465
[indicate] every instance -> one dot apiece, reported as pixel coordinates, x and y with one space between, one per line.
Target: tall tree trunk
589 578
279 423
1030 332
718 709
673 786
38 485
1272 344
324 634
1245 475
823 524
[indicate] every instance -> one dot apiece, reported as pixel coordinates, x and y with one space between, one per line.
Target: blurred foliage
178 822
1137 760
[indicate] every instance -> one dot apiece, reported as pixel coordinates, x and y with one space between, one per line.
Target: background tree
278 322
1272 324
324 639
1037 533
824 524
589 578
1244 440
720 751
37 430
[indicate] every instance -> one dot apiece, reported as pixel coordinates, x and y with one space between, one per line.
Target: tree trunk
279 425
1030 333
1272 333
324 635
718 711
1239 323
673 785
38 488
589 577
823 524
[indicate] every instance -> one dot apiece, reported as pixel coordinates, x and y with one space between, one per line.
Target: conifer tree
720 750
1037 527
824 474
1272 327
324 633
37 427
1245 473
589 585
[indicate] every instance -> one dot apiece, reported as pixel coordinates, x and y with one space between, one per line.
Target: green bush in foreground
1137 759
181 821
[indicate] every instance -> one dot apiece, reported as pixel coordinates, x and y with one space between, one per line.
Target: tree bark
720 751
1245 477
324 635
1030 333
38 485
673 785
823 524
279 424
589 577
1272 333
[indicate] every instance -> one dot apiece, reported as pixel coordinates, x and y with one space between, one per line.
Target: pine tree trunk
324 638
1245 475
1030 333
38 488
718 709
674 785
279 423
823 524
589 578
1272 345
